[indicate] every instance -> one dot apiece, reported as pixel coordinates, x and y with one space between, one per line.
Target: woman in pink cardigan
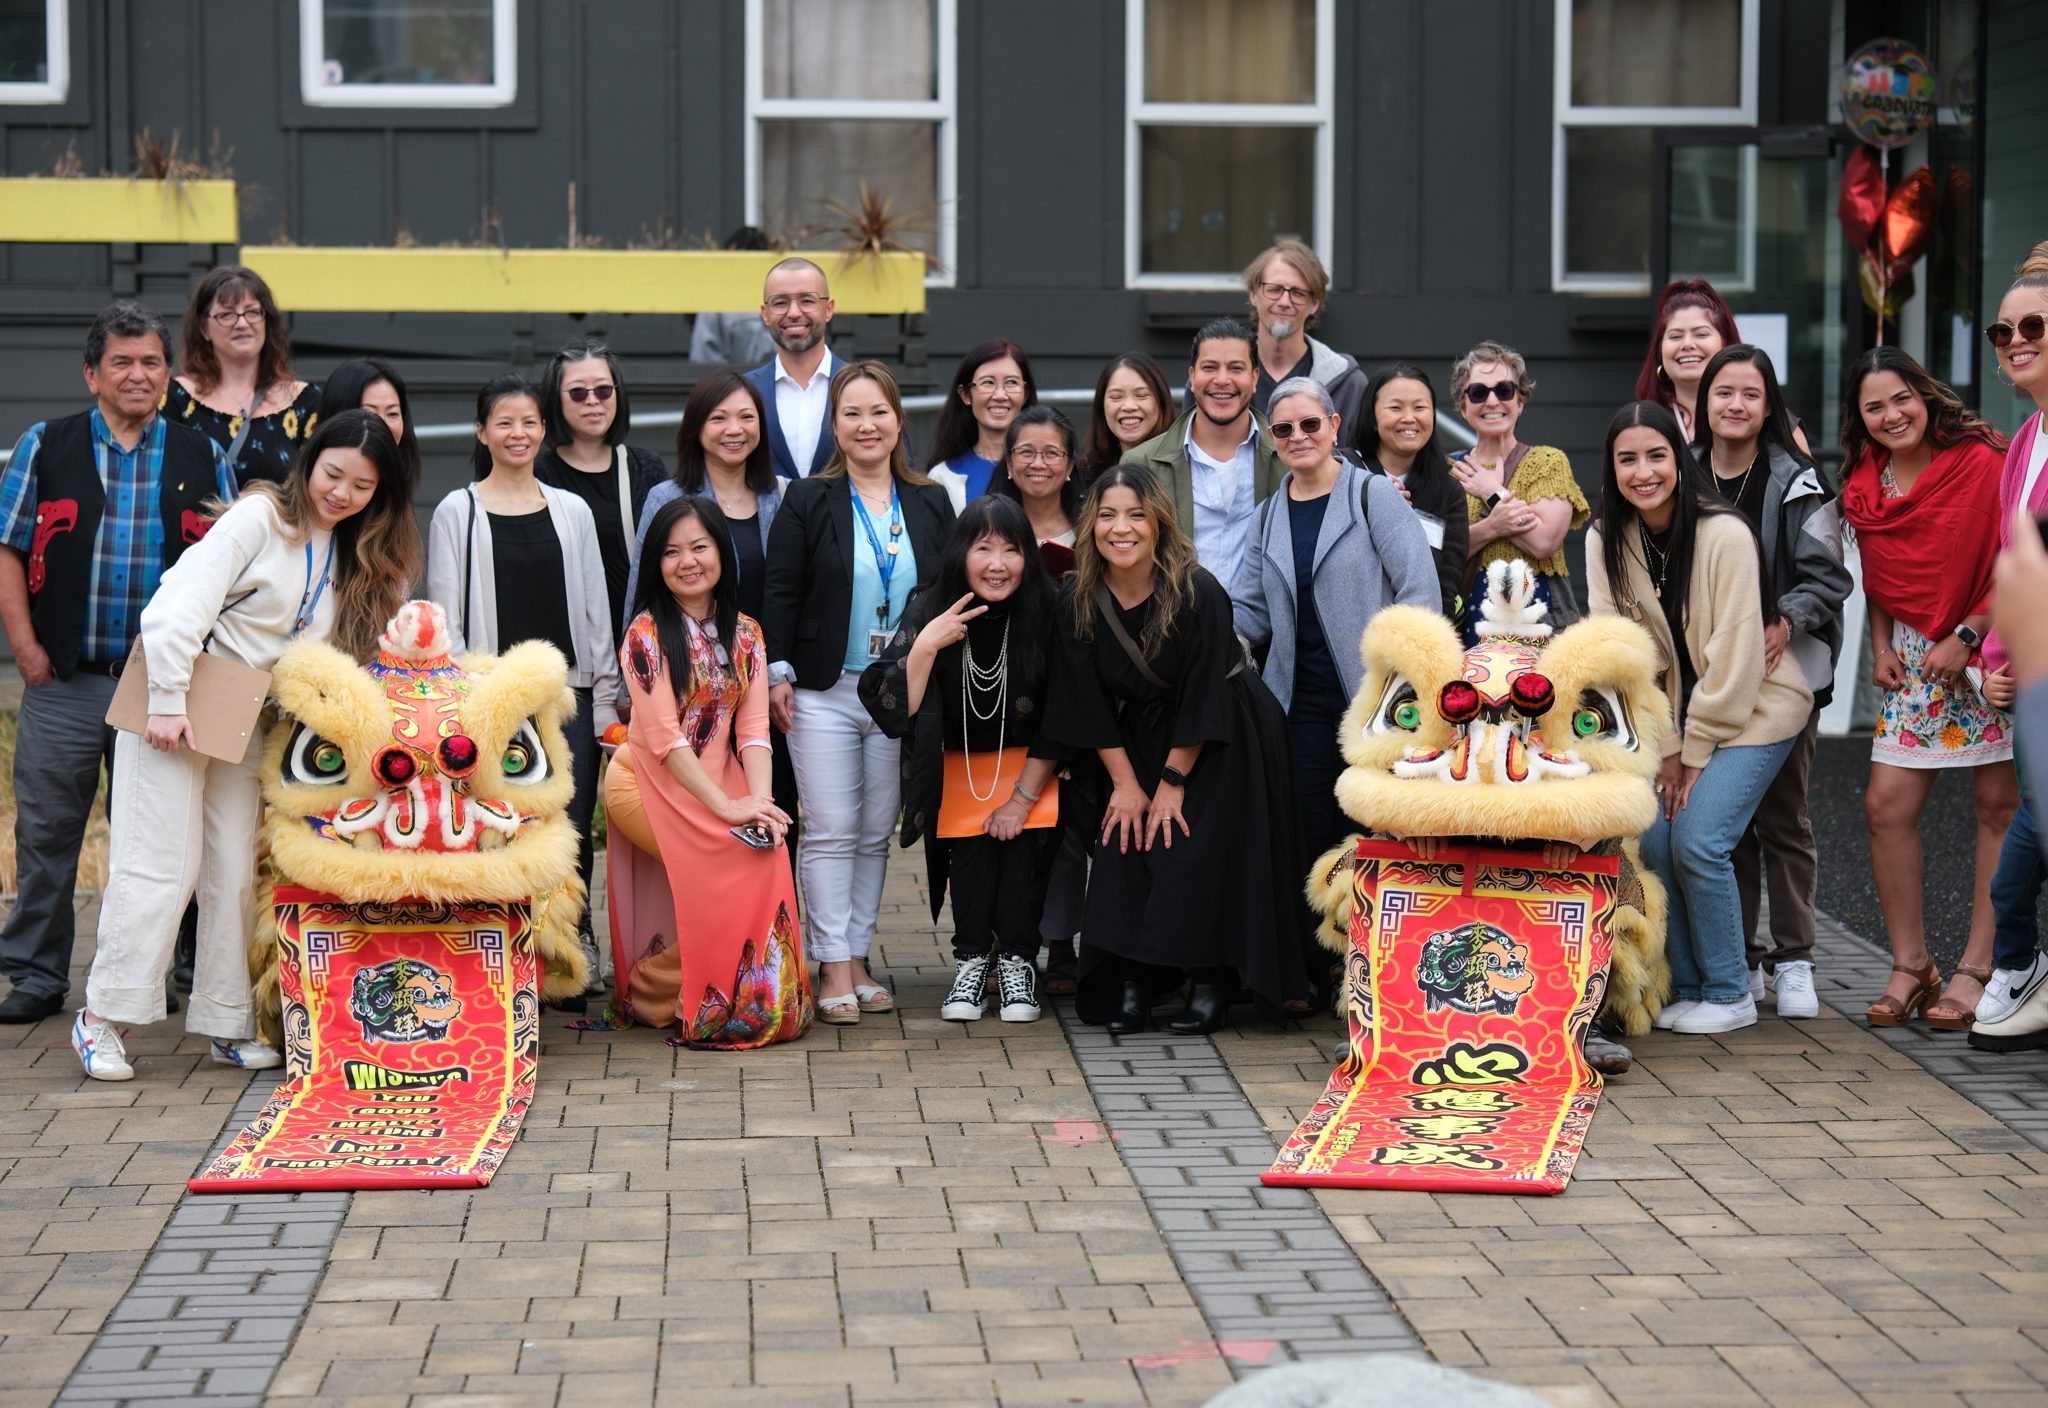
2020 337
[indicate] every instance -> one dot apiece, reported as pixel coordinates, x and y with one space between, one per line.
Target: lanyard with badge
885 562
309 600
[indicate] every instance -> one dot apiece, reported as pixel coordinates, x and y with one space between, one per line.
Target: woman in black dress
1198 861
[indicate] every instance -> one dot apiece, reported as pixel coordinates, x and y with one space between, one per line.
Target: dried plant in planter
159 160
872 228
68 164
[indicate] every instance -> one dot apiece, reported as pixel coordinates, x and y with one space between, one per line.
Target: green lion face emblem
1475 968
404 1000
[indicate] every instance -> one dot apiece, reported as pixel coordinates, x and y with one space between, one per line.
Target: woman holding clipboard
329 554
962 683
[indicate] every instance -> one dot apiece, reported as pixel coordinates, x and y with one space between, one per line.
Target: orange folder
961 815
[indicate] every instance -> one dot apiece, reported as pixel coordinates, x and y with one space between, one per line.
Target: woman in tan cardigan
1686 566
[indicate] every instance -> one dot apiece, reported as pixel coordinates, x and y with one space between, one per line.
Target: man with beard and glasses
1287 286
796 384
1217 459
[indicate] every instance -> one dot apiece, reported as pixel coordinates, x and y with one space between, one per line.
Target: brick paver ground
916 1211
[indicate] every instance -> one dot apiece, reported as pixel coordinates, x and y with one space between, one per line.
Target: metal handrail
1447 425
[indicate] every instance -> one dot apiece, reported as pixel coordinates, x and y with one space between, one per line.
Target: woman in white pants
330 553
848 546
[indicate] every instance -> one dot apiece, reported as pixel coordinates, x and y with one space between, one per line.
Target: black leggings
998 890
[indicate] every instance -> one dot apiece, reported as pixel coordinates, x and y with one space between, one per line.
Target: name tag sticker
1432 528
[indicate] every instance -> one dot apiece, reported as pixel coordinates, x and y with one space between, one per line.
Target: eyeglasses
2029 328
1029 455
1305 427
988 385
1504 391
254 318
1284 293
580 394
782 302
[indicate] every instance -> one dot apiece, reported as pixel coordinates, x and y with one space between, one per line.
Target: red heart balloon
1909 219
1862 200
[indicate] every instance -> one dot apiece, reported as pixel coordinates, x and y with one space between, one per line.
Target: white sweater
461 534
242 584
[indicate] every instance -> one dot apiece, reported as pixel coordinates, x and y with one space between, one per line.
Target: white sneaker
2008 988
1756 983
1673 1010
250 1054
99 1046
1793 983
967 999
1017 984
1708 1018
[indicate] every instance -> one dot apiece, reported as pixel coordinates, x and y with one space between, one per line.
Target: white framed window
408 53
35 51
1625 67
845 92
1228 135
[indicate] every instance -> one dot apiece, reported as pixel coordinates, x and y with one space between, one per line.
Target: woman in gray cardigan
1349 537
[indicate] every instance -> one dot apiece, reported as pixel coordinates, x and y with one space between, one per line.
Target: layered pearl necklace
991 683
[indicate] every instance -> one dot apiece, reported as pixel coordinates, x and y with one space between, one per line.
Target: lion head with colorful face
417 778
1530 736
1475 968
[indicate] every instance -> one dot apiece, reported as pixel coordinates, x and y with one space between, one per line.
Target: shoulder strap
468 561
1106 604
626 519
242 437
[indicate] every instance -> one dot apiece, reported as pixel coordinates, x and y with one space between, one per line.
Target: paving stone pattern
1273 1278
218 1302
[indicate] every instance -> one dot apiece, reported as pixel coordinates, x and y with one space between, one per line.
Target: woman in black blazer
848 547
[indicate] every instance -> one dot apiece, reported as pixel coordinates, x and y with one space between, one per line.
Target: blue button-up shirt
128 554
1225 494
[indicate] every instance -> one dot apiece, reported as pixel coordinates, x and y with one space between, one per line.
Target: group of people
1097 672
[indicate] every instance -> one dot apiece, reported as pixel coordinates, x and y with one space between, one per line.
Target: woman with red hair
1693 323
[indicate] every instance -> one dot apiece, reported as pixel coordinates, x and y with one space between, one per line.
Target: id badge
878 641
1432 529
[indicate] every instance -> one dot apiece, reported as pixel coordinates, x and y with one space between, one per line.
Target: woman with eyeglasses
1921 493
1133 403
1332 546
1397 438
238 387
588 418
1521 500
990 386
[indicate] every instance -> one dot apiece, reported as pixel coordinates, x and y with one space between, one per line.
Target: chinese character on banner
1424 1153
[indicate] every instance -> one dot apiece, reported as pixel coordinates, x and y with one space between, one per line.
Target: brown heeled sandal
1888 1011
1955 1019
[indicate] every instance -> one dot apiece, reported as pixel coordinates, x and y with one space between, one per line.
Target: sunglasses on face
1305 427
2029 329
1503 391
580 394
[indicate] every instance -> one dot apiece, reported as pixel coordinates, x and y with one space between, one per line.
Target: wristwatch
1173 776
1969 637
1493 501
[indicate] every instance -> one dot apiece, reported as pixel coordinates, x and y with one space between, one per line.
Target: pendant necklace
992 681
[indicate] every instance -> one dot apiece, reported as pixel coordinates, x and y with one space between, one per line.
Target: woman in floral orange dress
703 909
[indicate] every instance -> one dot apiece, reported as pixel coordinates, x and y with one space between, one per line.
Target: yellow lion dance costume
1523 738
414 777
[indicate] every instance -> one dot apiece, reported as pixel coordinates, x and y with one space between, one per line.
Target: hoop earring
1662 375
1998 372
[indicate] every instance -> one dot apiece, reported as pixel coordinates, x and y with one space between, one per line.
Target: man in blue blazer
796 385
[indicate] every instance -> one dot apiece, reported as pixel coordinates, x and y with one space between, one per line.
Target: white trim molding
56 86
1567 116
941 111
1318 114
317 91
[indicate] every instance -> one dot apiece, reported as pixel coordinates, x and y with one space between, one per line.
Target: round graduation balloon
1887 93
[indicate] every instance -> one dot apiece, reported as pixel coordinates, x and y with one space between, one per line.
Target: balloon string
1884 268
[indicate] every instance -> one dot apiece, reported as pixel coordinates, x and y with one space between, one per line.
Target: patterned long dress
1922 724
718 952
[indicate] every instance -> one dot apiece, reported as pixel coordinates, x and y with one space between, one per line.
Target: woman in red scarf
1921 493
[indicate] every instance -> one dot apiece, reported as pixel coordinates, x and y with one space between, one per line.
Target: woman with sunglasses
1331 547
1521 500
583 396
1921 493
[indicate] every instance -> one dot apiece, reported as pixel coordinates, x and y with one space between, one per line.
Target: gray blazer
1360 566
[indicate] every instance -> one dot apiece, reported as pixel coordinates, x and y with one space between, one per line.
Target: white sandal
842 1011
874 999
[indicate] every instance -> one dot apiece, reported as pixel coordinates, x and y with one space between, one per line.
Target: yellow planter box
116 209
313 280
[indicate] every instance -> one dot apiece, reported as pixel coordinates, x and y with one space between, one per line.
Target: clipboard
961 815
223 702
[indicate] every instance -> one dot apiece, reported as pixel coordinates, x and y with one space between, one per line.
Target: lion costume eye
525 761
1400 708
313 761
1602 717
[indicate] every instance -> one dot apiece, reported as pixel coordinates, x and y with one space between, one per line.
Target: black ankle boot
1136 1013
1206 1007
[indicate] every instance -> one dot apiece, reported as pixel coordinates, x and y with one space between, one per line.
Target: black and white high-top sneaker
967 999
1017 980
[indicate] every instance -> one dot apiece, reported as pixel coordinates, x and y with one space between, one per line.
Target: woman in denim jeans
1685 565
